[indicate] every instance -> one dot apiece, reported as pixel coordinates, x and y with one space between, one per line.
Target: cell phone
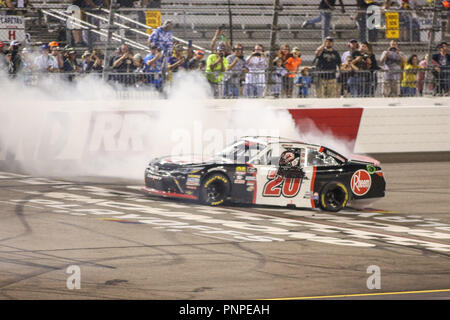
190 44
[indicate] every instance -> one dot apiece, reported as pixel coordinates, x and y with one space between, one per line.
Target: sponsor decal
278 185
239 177
250 178
361 182
191 187
250 188
240 169
251 170
193 181
194 176
239 181
371 169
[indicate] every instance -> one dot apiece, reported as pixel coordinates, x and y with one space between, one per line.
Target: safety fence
228 85
299 23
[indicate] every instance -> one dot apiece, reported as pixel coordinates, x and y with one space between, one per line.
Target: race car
268 171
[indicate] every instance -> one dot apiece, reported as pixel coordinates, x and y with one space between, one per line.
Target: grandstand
252 21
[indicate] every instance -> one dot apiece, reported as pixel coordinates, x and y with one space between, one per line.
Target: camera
257 54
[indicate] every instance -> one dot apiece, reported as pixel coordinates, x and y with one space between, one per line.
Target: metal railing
229 85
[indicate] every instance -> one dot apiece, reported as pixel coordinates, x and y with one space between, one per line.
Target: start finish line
12 28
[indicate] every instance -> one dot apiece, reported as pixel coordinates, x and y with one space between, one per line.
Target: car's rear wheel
333 197
215 189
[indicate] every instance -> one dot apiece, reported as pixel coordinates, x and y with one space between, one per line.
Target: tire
333 197
215 189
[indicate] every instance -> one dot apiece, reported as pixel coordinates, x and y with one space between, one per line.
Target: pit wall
396 130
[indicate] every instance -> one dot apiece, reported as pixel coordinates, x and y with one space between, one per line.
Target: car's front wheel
333 197
215 189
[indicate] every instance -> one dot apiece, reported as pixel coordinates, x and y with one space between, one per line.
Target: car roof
272 140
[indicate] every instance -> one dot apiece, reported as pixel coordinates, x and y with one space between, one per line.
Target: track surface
128 245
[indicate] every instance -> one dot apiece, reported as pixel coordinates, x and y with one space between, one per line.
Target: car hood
366 159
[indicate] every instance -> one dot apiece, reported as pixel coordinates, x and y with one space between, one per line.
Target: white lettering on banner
120 132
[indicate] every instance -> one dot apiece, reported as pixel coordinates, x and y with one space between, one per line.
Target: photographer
70 63
392 60
255 79
13 59
92 61
236 67
216 64
124 62
56 51
362 63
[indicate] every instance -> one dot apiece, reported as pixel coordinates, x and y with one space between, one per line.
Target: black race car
268 171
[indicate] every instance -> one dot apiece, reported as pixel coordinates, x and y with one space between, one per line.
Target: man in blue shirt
153 67
162 38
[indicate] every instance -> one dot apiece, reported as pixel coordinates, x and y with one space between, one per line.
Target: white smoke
71 129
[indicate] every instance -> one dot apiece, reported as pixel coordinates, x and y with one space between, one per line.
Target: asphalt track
131 246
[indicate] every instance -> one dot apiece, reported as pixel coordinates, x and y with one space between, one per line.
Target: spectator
196 62
409 82
46 62
326 7
13 58
216 64
149 4
123 62
303 83
236 67
277 77
177 61
140 68
365 34
27 66
88 36
3 62
92 62
442 62
392 60
70 63
7 4
17 5
162 37
361 80
352 45
328 61
292 64
347 71
255 79
373 67
223 41
284 54
421 75
153 65
73 23
57 53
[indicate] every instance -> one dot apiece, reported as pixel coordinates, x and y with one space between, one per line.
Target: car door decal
278 185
